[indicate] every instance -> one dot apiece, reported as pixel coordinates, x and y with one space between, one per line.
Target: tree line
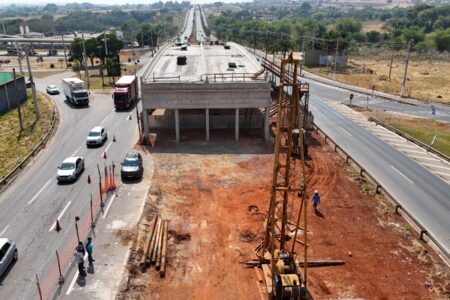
427 26
157 23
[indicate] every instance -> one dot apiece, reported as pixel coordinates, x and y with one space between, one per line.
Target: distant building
117 33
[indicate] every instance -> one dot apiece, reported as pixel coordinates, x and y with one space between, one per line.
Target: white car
70 169
97 136
52 90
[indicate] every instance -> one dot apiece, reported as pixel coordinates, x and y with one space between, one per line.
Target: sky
109 2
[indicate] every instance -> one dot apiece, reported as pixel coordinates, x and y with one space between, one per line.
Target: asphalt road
32 203
201 36
337 94
188 26
424 195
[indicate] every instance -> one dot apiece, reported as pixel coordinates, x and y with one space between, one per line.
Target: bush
69 65
52 66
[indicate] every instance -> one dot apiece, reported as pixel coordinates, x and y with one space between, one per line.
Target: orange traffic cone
89 179
104 155
114 138
58 227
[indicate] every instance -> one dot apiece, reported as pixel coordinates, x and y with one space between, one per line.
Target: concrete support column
207 124
236 127
266 125
177 126
145 125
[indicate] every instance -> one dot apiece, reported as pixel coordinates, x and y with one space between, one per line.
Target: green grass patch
424 131
95 80
41 74
16 145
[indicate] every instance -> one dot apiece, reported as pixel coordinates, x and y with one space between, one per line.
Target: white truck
75 91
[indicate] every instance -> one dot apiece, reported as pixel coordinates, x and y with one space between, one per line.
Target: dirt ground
205 191
427 80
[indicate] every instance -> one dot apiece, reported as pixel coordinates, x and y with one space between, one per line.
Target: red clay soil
205 192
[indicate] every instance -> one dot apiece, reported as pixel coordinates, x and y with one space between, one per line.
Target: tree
113 44
349 26
92 49
442 40
47 17
76 67
76 50
413 33
373 36
50 7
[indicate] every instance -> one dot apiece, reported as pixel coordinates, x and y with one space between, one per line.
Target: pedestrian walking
79 256
316 201
89 249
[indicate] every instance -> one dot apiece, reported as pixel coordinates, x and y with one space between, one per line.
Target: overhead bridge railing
230 77
380 188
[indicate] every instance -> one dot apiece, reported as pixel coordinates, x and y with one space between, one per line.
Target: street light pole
101 66
86 73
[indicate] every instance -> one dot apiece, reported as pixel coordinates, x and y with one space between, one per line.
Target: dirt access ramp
205 191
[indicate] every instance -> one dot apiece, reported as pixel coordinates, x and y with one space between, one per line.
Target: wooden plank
162 272
267 278
149 238
261 293
258 274
155 244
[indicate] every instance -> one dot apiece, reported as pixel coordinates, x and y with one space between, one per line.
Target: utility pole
19 113
64 47
335 59
392 60
4 30
106 43
101 67
86 73
142 39
302 61
402 92
19 58
33 87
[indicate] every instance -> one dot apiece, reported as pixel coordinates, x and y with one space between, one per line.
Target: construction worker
316 201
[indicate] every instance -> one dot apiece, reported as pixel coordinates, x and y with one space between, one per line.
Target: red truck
125 92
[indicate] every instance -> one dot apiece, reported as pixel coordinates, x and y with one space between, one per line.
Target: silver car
52 90
70 169
8 254
97 136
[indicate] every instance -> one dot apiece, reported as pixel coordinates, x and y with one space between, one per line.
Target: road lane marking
423 157
75 277
4 230
414 151
78 149
110 143
109 205
403 175
37 194
436 166
60 215
101 123
346 132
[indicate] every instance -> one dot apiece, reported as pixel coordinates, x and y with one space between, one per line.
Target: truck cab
125 92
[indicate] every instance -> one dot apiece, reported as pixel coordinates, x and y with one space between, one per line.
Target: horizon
109 3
